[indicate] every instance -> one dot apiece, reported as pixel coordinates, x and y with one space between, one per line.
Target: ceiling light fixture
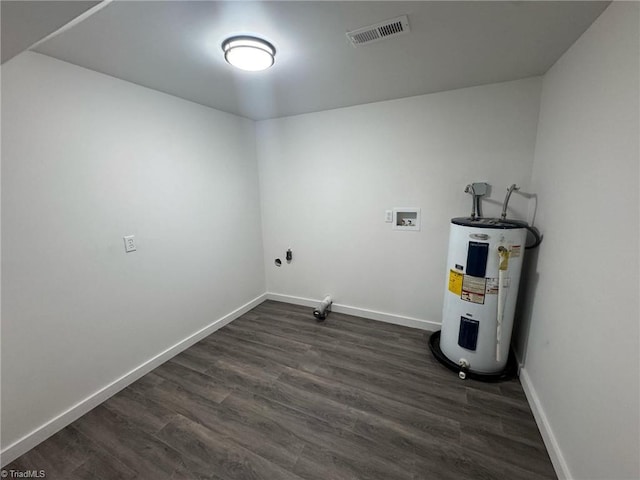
248 53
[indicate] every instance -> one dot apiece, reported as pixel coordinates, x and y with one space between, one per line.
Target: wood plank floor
275 395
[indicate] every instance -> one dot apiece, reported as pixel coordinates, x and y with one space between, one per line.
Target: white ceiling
25 22
174 47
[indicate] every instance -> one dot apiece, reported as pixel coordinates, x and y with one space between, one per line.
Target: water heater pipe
469 189
323 309
506 200
503 255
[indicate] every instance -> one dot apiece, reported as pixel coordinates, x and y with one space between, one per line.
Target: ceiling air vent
379 31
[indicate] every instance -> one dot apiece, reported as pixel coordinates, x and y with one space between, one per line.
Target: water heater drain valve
464 367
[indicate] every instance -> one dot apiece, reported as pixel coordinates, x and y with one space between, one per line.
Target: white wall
86 159
326 179
582 359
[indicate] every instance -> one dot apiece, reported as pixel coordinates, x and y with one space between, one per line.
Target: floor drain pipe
322 310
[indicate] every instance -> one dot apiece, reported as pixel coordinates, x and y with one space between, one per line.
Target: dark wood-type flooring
275 395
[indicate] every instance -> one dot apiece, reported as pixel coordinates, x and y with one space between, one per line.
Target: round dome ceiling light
248 53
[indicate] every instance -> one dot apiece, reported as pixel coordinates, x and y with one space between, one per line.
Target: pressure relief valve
504 258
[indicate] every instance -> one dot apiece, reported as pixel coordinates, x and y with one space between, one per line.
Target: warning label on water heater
473 289
492 285
455 282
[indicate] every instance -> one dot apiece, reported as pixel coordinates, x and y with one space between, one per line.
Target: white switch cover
130 243
388 216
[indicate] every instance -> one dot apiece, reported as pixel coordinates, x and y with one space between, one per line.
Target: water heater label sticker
492 285
455 282
515 251
473 289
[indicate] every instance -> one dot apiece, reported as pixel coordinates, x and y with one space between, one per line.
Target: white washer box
406 218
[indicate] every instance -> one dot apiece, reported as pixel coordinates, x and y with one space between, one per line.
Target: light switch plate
388 216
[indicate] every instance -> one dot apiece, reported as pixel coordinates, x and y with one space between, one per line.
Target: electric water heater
481 289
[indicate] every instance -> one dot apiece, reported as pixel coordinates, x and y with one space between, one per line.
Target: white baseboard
360 312
518 359
57 423
557 459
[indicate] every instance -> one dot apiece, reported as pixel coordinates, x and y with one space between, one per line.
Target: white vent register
379 31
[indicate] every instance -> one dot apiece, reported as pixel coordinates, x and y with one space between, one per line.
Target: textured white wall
86 159
582 356
326 179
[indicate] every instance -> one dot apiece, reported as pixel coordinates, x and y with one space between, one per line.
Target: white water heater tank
483 274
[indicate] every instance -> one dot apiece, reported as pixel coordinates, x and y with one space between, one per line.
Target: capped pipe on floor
323 309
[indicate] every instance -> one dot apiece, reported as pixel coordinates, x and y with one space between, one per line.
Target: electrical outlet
130 243
388 216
